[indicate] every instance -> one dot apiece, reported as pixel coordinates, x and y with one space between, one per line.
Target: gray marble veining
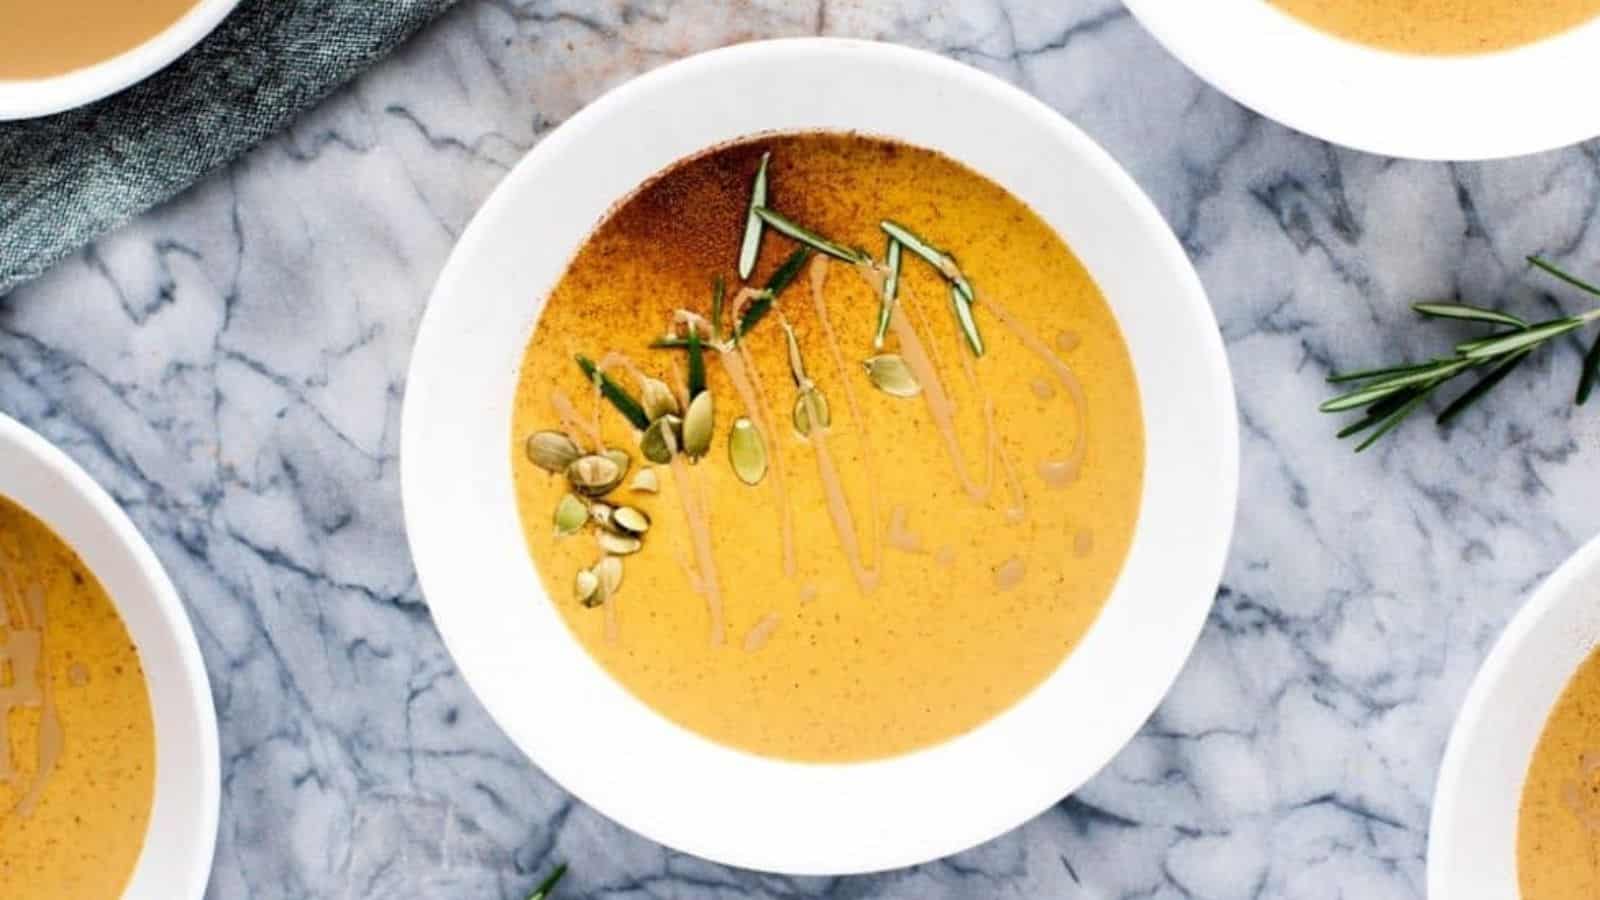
231 368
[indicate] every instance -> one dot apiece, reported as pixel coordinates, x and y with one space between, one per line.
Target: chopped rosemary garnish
969 325
781 279
891 287
697 364
719 292
616 393
542 892
944 262
807 236
751 247
1393 393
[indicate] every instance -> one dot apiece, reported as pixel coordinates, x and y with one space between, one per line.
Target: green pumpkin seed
551 450
890 373
621 458
747 451
646 482
630 520
698 425
811 407
586 588
594 475
570 515
660 440
618 544
658 399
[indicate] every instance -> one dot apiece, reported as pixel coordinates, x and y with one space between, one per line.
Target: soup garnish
858 569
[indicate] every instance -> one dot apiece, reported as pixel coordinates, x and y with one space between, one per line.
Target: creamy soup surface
903 574
77 746
1443 26
1558 828
53 37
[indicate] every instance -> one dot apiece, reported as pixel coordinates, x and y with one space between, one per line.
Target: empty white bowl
1472 842
580 725
175 863
1485 106
31 98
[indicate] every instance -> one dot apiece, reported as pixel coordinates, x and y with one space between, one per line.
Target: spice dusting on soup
77 748
783 461
1558 827
1443 26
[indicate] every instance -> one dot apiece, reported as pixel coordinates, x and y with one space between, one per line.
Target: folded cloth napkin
68 178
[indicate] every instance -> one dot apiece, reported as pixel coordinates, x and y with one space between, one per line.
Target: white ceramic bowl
1445 108
1472 843
581 726
176 860
27 99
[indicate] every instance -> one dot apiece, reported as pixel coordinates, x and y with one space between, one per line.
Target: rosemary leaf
1463 311
1573 280
1340 377
719 292
1395 418
616 393
1380 410
808 237
944 262
1591 370
1525 338
669 343
969 325
542 892
752 223
1380 389
1469 346
1483 386
782 278
891 287
697 365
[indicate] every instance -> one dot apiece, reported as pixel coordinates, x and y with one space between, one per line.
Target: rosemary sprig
752 223
719 293
542 892
808 237
961 294
1393 393
891 287
758 308
616 393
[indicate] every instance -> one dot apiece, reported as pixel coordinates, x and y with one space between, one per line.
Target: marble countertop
231 367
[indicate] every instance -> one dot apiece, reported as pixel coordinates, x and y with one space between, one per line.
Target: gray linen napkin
68 178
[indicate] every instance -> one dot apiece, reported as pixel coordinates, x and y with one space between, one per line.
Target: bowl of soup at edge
1422 79
1517 808
771 561
62 54
108 763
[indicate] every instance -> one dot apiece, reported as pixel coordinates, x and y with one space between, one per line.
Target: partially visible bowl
1484 106
601 742
175 862
28 99
1472 843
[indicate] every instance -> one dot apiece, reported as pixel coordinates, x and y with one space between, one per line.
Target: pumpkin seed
646 482
658 399
594 475
609 570
811 406
586 587
629 520
660 440
600 514
551 450
747 451
698 425
621 458
570 515
618 544
890 373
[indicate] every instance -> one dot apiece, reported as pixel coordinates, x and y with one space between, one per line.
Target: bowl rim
1426 107
1560 613
37 97
180 839
430 536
